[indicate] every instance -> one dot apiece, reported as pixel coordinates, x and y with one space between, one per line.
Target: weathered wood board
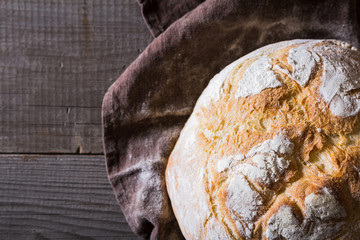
57 59
58 197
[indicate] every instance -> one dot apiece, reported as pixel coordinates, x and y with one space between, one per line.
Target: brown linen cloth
146 108
159 14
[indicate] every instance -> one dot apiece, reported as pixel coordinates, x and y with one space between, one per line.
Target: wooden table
57 59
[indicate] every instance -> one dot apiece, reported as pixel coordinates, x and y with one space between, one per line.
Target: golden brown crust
322 164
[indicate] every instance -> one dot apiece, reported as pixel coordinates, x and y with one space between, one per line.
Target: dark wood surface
58 197
57 59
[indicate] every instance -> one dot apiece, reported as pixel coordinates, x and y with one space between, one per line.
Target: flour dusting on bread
303 62
257 77
320 209
284 224
271 150
340 86
323 205
266 163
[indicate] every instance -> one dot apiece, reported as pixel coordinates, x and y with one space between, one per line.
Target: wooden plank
58 197
57 59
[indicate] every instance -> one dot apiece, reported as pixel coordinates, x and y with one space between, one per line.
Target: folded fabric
146 108
159 15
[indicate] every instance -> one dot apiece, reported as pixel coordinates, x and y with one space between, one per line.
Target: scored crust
271 150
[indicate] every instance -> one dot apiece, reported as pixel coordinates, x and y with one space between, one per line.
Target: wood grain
58 197
57 59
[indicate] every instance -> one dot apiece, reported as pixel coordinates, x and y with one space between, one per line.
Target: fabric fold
145 109
159 15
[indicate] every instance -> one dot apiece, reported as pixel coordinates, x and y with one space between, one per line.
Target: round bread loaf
272 148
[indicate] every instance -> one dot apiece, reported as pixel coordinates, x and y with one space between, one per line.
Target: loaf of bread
272 148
